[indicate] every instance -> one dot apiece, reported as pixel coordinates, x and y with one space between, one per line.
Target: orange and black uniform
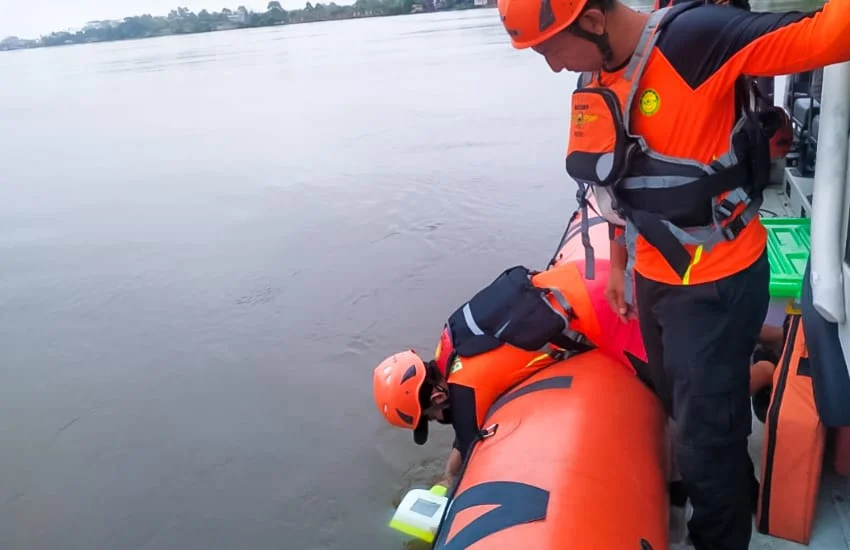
477 385
522 322
703 327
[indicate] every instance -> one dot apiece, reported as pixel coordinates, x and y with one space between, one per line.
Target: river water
209 241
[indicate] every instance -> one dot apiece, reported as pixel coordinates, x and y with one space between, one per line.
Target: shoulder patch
456 365
650 102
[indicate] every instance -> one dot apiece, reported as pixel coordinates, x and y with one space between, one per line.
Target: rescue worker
655 125
503 335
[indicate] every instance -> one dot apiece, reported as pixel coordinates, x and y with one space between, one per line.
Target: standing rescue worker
503 335
655 125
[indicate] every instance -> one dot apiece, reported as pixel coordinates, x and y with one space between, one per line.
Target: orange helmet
396 384
530 22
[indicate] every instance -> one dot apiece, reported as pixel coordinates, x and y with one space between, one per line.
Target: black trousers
702 337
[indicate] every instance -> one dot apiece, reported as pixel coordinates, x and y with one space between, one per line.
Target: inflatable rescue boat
572 457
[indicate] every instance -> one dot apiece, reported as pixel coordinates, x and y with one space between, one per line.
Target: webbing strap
630 238
678 200
659 235
633 72
567 339
561 299
637 64
589 258
670 240
574 340
725 226
584 79
470 321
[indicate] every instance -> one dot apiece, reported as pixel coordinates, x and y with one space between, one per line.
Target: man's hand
446 482
615 289
615 293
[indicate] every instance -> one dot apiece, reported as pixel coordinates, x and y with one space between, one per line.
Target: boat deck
828 531
831 529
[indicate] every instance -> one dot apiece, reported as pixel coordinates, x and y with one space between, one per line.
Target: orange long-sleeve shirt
690 83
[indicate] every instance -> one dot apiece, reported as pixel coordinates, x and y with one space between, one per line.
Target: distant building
238 17
15 43
98 25
11 43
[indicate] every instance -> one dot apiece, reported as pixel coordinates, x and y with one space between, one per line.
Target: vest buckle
725 209
733 229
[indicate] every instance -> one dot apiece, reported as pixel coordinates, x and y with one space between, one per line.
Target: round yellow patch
650 102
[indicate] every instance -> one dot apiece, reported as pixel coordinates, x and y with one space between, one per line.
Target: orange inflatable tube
571 247
573 457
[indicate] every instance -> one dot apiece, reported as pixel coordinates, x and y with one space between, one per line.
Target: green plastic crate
788 247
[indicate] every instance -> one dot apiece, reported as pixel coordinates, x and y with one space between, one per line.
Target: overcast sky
32 18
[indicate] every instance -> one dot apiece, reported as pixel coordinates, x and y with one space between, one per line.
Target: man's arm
712 46
619 253
453 466
465 424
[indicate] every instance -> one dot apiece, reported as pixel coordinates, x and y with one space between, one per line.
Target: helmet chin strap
603 44
446 410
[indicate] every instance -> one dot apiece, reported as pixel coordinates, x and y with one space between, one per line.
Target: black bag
509 310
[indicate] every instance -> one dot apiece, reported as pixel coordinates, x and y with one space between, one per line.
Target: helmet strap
432 373
603 44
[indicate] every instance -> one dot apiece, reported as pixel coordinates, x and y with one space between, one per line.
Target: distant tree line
183 21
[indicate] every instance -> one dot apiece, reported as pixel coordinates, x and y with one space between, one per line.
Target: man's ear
592 21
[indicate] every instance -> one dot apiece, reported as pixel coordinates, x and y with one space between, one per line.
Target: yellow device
420 511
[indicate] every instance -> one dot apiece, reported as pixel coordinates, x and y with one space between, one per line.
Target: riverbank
184 21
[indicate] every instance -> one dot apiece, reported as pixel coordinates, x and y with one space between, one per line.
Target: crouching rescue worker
656 125
522 322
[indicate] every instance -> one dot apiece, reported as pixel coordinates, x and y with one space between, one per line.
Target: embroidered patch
457 365
650 102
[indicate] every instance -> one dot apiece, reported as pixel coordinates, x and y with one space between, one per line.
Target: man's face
566 51
439 396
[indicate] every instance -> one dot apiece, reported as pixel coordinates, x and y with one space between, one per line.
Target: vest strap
633 73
